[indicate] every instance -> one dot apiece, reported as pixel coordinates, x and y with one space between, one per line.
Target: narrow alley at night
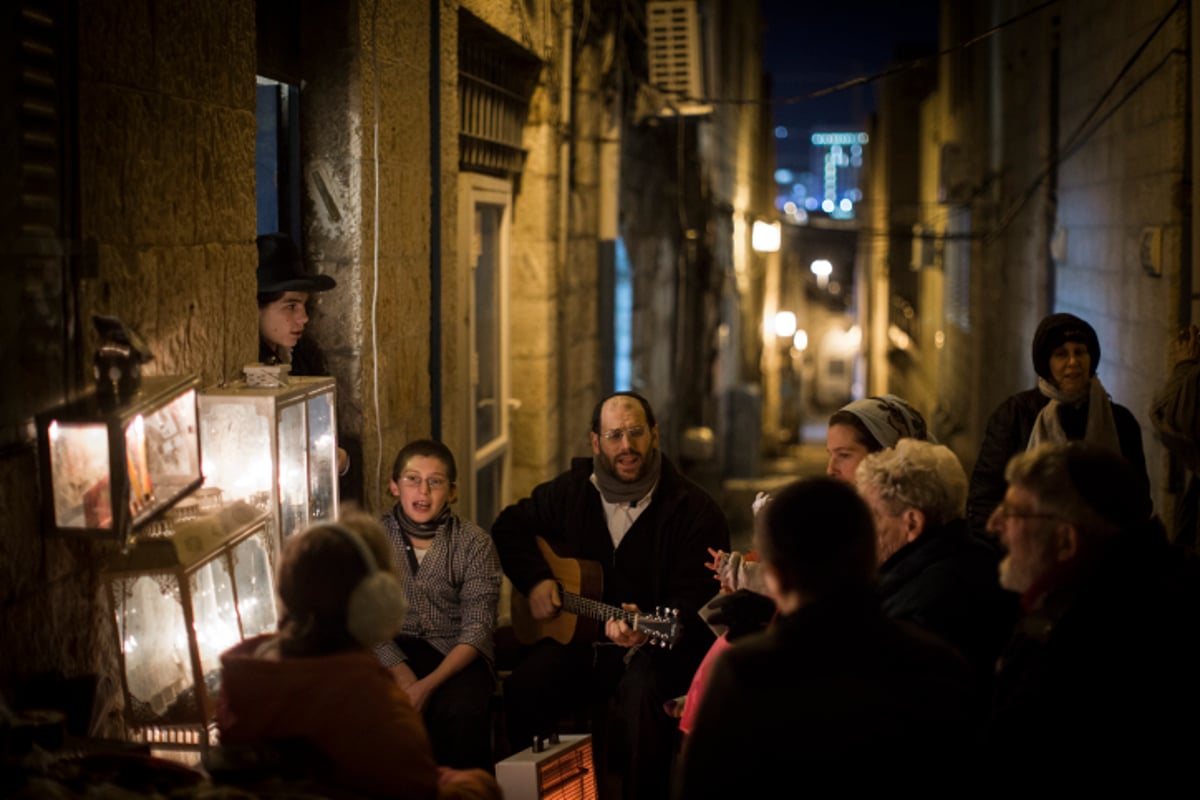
645 394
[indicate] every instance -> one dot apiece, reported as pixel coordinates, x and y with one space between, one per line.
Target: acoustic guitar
580 581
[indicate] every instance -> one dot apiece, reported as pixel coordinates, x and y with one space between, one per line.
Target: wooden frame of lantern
110 466
177 603
275 447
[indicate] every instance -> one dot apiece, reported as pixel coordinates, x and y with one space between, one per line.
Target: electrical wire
375 247
861 80
1083 133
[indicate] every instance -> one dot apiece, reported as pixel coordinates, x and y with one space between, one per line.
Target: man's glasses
415 481
1005 511
636 432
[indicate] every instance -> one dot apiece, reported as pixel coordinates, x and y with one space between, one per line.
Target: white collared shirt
621 516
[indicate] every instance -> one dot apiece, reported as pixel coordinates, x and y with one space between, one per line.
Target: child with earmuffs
316 692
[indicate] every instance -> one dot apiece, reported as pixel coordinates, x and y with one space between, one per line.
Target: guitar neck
592 609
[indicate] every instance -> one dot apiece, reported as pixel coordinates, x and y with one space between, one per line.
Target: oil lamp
179 600
270 440
119 456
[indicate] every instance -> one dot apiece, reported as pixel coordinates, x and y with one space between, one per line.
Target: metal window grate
493 107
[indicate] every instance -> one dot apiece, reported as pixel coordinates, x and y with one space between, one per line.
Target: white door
487 205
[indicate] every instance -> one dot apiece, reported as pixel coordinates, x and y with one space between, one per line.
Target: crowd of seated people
888 611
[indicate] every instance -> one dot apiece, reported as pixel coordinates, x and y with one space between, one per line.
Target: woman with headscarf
1068 404
855 431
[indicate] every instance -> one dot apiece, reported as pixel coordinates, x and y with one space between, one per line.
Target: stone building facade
148 213
1052 168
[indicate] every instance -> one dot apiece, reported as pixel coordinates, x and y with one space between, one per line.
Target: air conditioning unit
954 185
556 770
675 69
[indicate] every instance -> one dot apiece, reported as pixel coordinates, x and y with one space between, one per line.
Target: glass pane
488 219
255 585
154 642
322 455
170 447
293 470
236 443
488 485
214 619
79 463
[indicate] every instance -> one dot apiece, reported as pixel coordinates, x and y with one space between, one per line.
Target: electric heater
559 770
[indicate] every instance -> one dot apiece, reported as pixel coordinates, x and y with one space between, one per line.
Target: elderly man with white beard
1098 682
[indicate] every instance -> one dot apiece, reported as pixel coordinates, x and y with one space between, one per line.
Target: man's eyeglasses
636 432
415 482
1005 511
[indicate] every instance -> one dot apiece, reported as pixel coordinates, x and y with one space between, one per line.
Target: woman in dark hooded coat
1068 404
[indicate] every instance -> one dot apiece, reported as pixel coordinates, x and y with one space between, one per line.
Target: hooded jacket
345 707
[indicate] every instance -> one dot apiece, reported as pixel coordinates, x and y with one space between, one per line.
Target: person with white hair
933 571
1097 686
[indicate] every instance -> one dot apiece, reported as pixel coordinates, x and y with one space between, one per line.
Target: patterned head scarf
889 419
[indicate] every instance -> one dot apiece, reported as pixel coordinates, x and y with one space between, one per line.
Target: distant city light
812 203
789 208
780 132
827 206
784 176
845 204
838 138
800 340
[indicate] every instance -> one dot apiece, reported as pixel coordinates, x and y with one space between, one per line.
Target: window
486 217
277 157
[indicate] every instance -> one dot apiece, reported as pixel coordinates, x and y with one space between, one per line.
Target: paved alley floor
737 494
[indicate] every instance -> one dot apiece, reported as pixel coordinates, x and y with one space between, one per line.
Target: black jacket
1103 670
660 562
947 581
307 358
1007 433
834 694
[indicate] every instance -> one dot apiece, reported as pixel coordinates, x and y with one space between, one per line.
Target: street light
765 237
785 324
822 269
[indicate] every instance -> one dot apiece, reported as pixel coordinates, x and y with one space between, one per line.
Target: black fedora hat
280 268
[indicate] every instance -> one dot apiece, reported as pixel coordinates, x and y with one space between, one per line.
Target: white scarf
1101 427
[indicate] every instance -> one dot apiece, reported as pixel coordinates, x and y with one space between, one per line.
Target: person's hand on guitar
620 632
544 600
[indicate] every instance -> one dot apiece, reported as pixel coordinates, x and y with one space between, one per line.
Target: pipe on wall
435 219
564 206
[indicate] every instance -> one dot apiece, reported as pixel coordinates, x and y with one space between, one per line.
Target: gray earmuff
376 607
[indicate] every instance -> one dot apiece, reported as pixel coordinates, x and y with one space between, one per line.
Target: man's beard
610 466
1013 578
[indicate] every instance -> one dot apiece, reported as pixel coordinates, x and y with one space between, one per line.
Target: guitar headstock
662 626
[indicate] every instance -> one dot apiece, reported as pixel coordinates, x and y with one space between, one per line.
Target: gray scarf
1101 427
619 492
422 530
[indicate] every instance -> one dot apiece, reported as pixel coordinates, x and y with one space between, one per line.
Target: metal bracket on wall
1150 248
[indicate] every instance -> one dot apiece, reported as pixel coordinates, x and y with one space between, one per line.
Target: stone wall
166 204
1069 163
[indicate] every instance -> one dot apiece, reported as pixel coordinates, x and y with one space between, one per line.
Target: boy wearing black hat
283 291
